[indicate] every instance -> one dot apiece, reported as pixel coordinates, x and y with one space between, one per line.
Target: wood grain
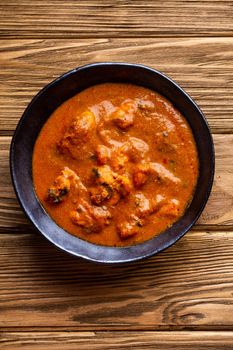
217 214
182 298
189 286
93 18
117 340
203 66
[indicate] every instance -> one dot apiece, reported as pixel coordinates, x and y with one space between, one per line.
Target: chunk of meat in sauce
163 143
143 206
78 133
104 175
119 158
60 187
137 149
130 228
91 218
123 116
116 157
142 172
123 185
133 150
103 154
146 105
161 171
170 209
101 193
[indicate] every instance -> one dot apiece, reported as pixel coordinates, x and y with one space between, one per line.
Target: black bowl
69 84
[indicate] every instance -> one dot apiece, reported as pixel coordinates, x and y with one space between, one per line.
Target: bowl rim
100 258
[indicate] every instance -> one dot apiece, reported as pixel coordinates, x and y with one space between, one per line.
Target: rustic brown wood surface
189 286
203 66
117 340
180 299
119 18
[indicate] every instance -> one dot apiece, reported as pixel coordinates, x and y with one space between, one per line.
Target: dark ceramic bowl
69 84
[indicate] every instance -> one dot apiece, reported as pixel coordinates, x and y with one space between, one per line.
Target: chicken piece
78 133
163 173
105 176
101 193
129 106
169 209
140 174
103 154
60 187
127 230
122 119
102 216
137 149
110 137
123 116
119 158
146 207
81 128
146 105
123 185
164 145
90 218
134 150
143 206
78 187
158 201
142 171
130 228
82 217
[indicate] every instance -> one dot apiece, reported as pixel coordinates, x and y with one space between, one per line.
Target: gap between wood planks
98 329
188 286
90 37
69 340
115 18
202 66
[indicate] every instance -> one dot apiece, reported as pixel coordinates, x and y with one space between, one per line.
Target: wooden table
180 299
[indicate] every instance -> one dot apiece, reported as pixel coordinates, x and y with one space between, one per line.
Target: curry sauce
115 165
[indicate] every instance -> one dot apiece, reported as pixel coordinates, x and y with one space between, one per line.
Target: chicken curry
115 165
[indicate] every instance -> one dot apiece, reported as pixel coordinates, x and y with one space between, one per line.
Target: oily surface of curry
115 165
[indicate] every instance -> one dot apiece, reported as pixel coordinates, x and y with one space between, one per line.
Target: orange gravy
115 165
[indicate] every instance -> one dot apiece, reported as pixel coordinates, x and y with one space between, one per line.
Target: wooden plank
85 18
217 214
219 209
189 286
203 66
117 340
11 215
